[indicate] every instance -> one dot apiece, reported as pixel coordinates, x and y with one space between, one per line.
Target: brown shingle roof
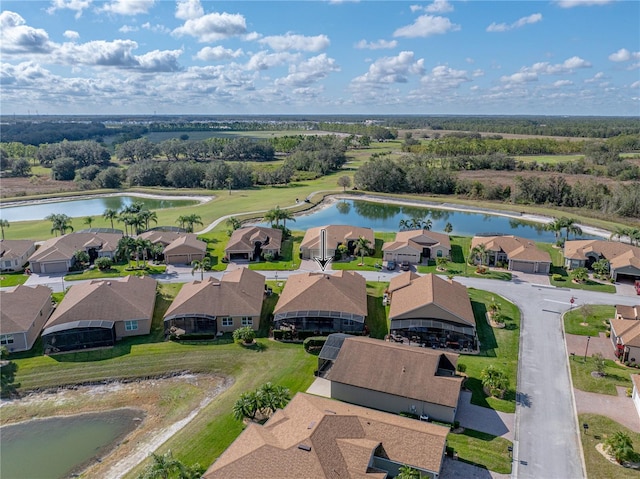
20 306
628 330
64 247
188 241
407 372
618 254
416 238
514 246
240 293
12 249
130 298
161 237
344 291
336 234
628 312
341 438
244 239
450 296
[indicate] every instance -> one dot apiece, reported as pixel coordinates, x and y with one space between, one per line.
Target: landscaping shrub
557 277
305 334
462 368
314 343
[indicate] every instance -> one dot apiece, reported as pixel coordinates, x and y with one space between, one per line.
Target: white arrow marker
323 260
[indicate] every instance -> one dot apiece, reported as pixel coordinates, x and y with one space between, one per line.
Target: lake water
60 446
94 206
387 217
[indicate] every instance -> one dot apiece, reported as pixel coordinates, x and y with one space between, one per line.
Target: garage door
178 259
56 267
523 266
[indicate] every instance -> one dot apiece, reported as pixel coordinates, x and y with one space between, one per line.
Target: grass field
615 375
588 320
482 449
549 159
12 279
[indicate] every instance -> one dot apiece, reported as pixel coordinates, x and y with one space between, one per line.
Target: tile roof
243 239
14 249
344 291
338 439
408 371
130 298
188 240
450 296
335 234
162 237
628 330
240 293
20 306
64 247
618 254
417 238
628 312
515 247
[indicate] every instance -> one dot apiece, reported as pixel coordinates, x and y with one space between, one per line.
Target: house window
7 264
439 253
247 321
227 321
131 325
6 339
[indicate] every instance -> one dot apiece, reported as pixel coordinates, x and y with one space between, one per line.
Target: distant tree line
36 133
376 132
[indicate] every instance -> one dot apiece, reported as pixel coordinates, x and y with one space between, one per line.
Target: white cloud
561 83
520 77
211 54
128 28
17 37
128 7
377 45
291 41
392 69
438 6
187 9
478 73
71 34
582 3
521 22
635 84
425 26
529 74
308 72
444 78
159 61
264 60
78 5
155 28
213 27
623 55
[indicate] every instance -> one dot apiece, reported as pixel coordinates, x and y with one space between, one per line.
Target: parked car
391 265
405 266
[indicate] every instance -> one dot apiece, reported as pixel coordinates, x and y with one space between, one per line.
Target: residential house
253 242
625 337
396 378
432 310
519 254
179 247
415 246
212 306
56 255
25 309
635 395
323 303
99 312
315 437
624 259
627 312
14 254
336 235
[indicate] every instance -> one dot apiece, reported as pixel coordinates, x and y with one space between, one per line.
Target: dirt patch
12 187
168 403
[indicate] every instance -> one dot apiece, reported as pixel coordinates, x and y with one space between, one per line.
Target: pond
94 206
387 217
64 445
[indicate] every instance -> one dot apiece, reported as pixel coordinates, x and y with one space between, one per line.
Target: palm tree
556 226
286 215
136 222
246 406
110 214
146 216
165 467
272 397
408 472
181 220
273 216
448 228
479 252
233 223
196 265
88 220
441 263
570 226
125 218
427 224
3 224
494 380
404 225
126 245
60 222
634 236
143 246
192 220
580 275
620 446
363 248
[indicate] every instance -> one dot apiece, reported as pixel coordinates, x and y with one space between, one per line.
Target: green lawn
616 375
482 449
12 279
377 321
499 347
289 256
117 270
588 320
601 427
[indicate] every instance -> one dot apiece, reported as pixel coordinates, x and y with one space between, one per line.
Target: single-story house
14 254
627 312
179 247
434 311
635 395
315 437
56 255
415 245
625 337
520 254
396 378
624 259
25 309
323 303
212 306
336 235
253 242
97 313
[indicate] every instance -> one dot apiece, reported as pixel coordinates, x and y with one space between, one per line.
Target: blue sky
557 57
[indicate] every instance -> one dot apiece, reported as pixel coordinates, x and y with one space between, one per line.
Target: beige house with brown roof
520 254
24 311
625 337
212 306
56 254
323 303
627 312
336 235
253 242
624 259
396 378
99 312
179 248
432 310
14 254
315 437
415 245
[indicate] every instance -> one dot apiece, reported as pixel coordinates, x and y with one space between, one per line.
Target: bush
314 343
245 334
557 277
462 368
268 256
282 335
103 263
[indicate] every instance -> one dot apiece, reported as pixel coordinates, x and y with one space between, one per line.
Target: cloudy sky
556 57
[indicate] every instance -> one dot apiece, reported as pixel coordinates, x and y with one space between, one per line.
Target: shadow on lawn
487 339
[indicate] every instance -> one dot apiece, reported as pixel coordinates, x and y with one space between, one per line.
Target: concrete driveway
620 408
484 419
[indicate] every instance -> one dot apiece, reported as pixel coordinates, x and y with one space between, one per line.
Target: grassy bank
615 375
482 449
588 320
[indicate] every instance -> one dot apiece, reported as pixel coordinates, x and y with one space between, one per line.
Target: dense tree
146 173
380 174
63 169
344 182
185 175
136 150
109 178
20 167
